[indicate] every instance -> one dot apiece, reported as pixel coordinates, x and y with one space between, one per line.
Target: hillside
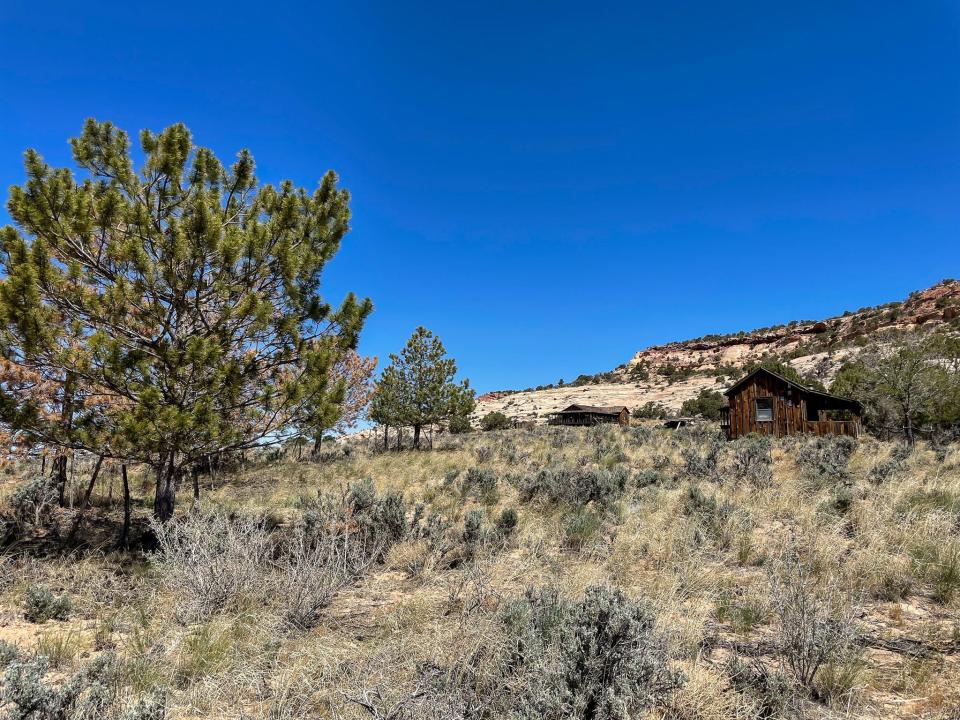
672 373
722 563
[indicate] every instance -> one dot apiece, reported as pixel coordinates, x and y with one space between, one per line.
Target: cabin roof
595 409
835 399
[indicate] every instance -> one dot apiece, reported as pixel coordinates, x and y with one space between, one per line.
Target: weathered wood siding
789 412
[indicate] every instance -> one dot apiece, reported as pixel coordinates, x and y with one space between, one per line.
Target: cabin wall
789 412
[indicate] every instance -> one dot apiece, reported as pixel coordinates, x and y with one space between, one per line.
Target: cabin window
764 409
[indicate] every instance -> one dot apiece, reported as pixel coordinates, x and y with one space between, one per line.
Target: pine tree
385 406
417 389
180 301
341 406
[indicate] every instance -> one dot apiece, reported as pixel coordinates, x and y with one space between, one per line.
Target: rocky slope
672 373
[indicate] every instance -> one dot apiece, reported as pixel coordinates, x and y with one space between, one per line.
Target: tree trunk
195 472
66 421
93 479
908 423
165 499
416 437
127 510
317 443
386 437
86 498
60 477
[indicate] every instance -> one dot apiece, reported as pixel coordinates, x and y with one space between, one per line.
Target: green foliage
707 403
651 477
495 421
459 425
417 388
674 373
912 382
650 411
182 297
40 605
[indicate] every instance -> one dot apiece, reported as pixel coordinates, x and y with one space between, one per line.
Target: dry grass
883 556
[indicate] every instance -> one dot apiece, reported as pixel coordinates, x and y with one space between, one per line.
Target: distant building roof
594 409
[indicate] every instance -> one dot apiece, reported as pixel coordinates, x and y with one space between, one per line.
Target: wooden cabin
767 403
591 415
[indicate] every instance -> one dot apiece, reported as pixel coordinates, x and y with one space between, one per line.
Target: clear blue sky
549 186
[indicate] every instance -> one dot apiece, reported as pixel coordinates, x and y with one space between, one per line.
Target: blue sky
549 186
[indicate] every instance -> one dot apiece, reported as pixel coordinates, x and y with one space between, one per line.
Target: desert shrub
40 605
381 518
478 535
840 500
482 484
484 453
752 460
313 565
641 435
816 627
33 501
473 531
152 707
769 689
495 421
601 658
507 522
576 486
8 653
582 525
604 441
694 434
210 560
92 692
742 609
651 477
885 469
706 465
712 517
825 460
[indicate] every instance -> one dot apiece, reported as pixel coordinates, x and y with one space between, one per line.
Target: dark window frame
756 407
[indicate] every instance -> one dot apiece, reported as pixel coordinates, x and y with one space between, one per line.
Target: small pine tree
417 389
